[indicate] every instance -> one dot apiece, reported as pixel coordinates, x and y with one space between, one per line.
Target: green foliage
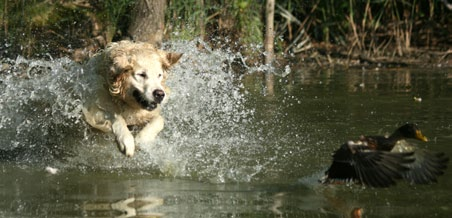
21 22
237 20
182 18
116 9
41 27
249 20
116 16
374 26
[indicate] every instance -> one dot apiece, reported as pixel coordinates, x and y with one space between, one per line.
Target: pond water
234 144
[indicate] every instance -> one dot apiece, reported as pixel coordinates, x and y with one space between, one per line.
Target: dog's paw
143 140
127 145
148 134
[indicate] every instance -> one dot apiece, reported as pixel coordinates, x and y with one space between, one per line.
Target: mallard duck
373 161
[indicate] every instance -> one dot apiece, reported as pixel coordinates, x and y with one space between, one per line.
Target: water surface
234 144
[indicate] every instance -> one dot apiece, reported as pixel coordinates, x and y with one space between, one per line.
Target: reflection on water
129 207
32 193
234 145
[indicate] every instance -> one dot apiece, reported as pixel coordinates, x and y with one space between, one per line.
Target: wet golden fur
129 91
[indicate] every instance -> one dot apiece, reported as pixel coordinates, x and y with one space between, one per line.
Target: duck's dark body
371 162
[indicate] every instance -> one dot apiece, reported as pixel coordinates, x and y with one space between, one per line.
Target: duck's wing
370 167
342 168
428 165
380 168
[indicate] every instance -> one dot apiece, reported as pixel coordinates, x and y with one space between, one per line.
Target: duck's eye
160 75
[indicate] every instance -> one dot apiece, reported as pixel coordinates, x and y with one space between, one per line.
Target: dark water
233 146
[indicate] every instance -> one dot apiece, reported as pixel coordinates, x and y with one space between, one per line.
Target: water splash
38 105
208 131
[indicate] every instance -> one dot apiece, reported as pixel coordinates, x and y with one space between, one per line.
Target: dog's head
137 73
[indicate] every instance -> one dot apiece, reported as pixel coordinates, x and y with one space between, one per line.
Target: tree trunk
268 44
269 31
148 21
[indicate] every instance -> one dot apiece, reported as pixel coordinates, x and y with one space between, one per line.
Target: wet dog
129 91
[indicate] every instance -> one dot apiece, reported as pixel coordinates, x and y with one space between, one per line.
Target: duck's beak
420 136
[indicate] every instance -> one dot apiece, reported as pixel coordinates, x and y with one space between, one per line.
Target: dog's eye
142 74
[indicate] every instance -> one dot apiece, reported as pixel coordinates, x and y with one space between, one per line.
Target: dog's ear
173 58
127 70
116 81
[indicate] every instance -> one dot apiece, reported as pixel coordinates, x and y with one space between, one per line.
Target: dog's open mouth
141 99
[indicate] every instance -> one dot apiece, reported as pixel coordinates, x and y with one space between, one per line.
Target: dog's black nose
158 95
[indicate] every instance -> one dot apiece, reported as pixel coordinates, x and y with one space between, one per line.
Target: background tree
354 30
269 31
147 21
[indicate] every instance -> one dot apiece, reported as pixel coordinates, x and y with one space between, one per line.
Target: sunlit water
234 143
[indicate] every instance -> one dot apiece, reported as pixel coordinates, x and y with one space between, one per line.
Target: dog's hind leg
150 131
123 136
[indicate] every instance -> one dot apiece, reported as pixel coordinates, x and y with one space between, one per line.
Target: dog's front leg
123 136
150 131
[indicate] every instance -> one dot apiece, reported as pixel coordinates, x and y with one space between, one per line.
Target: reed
351 28
373 27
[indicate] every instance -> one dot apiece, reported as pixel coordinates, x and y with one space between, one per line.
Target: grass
365 27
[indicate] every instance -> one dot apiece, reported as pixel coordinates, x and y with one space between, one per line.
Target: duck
380 161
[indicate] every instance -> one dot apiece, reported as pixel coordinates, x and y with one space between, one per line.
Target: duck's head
410 130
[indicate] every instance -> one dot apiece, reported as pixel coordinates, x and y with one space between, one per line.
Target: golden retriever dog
129 92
